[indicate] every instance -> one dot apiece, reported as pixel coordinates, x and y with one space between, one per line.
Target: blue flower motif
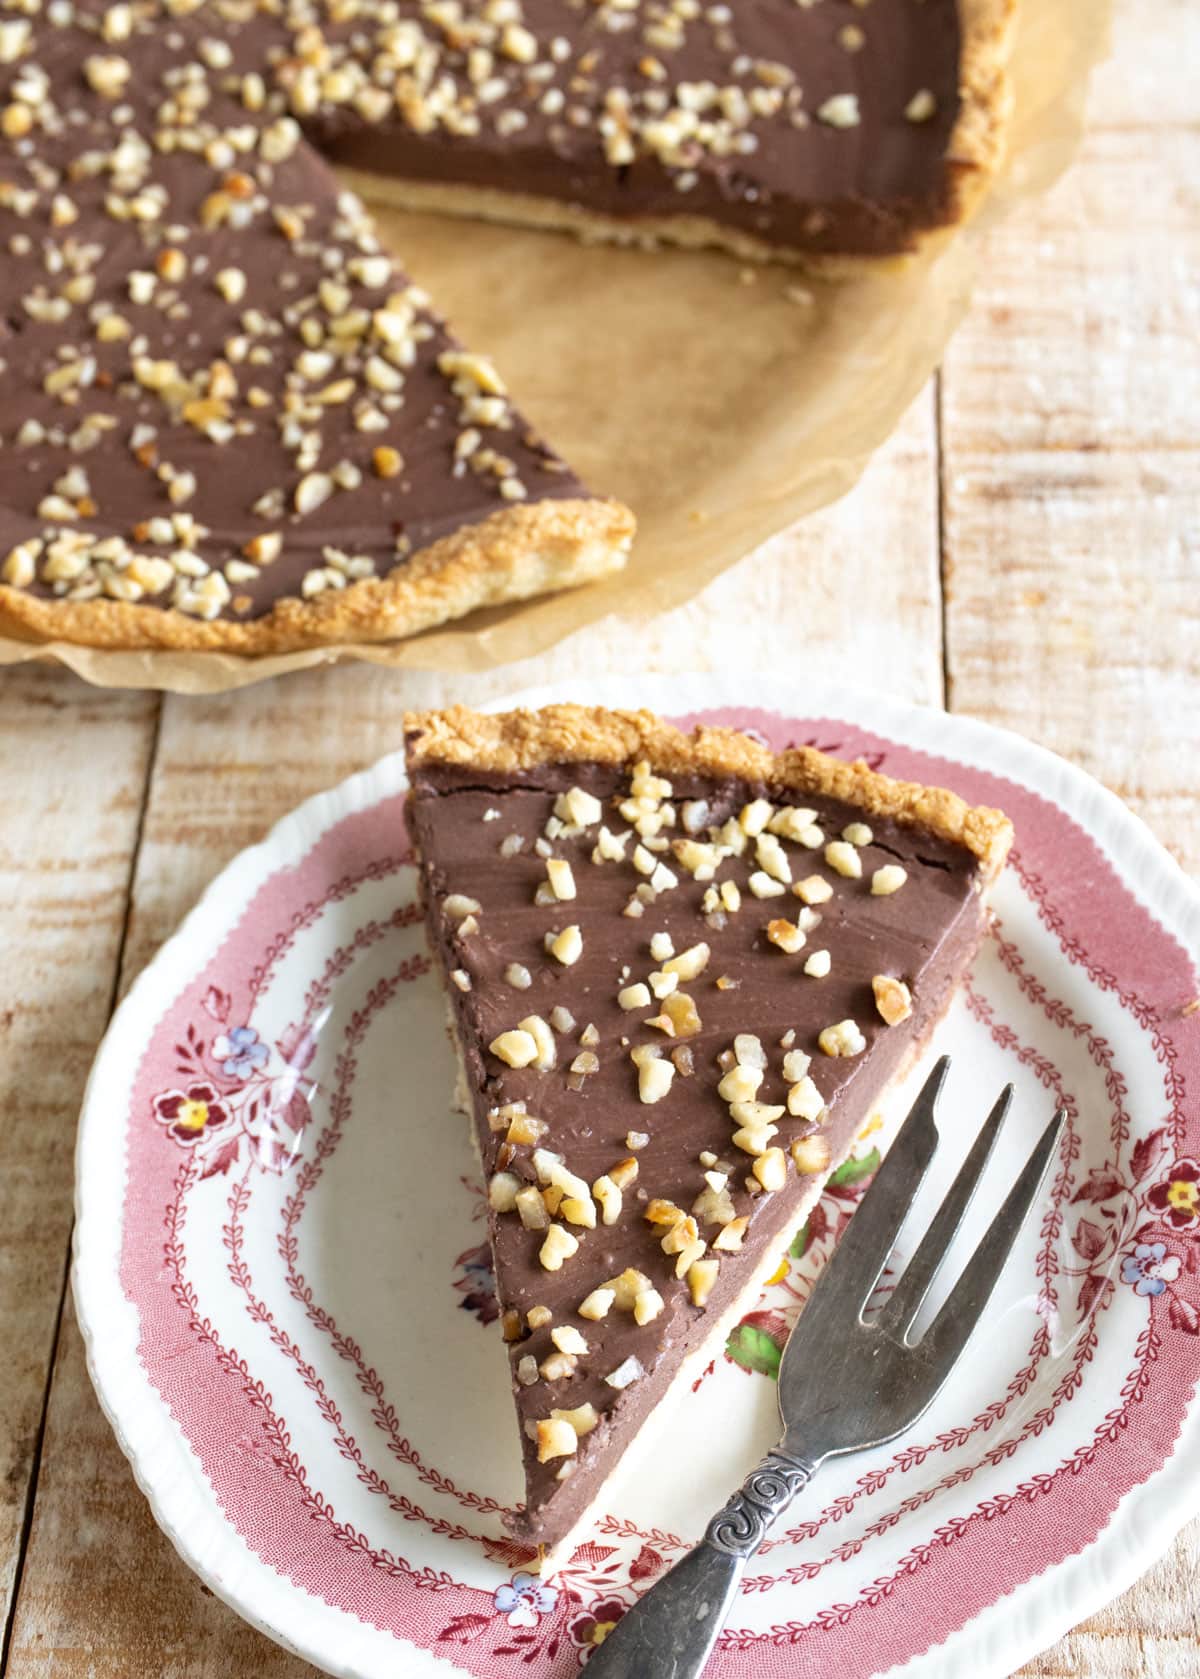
239 1051
1149 1268
522 1599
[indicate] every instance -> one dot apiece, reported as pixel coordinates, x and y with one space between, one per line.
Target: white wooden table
1026 548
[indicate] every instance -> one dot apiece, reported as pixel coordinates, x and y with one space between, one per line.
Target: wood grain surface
1026 548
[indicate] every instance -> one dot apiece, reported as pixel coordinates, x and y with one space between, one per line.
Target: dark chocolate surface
290 375
924 934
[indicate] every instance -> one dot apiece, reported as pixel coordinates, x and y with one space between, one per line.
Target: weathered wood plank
73 765
1071 477
103 1594
1072 458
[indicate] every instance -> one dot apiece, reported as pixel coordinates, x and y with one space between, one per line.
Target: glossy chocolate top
215 390
762 992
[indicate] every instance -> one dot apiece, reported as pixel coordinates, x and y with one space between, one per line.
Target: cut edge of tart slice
682 972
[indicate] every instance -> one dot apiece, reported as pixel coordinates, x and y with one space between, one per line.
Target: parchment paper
722 403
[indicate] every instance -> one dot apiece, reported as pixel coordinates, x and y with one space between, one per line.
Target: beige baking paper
721 403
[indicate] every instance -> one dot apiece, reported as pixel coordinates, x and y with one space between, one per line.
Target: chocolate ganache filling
896 909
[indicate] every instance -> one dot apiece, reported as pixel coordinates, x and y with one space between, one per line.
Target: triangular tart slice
682 970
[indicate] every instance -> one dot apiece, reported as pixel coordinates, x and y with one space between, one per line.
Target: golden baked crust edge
513 554
506 742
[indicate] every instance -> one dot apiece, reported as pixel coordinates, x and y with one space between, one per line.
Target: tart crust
512 741
974 155
511 555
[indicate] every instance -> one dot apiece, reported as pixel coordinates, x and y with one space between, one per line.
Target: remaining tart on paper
228 420
681 971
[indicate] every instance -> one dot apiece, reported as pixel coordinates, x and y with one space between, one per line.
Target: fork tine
851 1275
898 1312
951 1328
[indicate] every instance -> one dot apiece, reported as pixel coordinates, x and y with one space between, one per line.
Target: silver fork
845 1384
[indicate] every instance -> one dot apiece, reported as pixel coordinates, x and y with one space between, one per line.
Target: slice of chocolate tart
682 970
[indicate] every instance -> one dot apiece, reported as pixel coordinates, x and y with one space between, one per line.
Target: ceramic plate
295 1347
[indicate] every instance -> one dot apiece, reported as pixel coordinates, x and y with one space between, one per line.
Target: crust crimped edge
974 153
512 554
508 742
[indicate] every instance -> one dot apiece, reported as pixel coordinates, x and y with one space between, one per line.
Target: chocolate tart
681 971
229 420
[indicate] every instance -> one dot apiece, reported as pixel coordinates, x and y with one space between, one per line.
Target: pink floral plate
292 1336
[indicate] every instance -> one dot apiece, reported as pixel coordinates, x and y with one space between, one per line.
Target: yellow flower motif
1184 1195
193 1116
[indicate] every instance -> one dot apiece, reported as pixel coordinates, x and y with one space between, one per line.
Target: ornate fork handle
670 1631
740 1528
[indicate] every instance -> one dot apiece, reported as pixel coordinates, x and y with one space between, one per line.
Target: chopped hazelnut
857 833
804 1100
811 1154
786 936
771 1168
689 964
754 1139
636 1139
609 1197
647 1306
597 1304
582 1419
562 881
763 885
701 1279
654 1080
890 878
502 1192
893 999
567 948
740 1084
817 965
729 1240
537 1317
516 1049
754 817
543 1039
815 889
578 807
844 1039
568 1340
518 976
681 1011
627 1287
627 1372
795 1065
527 1370
634 997
772 858
531 1208
555 1438
558 1246
844 859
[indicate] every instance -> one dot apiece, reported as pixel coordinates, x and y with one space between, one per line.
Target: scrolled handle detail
740 1528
